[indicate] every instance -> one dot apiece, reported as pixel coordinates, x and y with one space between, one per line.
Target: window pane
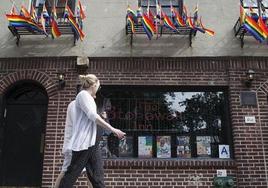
169 111
165 4
181 117
250 3
265 3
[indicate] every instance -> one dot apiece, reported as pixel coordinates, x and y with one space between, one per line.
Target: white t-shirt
84 123
68 127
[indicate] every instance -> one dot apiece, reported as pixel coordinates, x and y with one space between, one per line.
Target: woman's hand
120 134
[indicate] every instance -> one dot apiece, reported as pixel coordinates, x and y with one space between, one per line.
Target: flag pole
148 7
29 6
259 7
157 19
13 3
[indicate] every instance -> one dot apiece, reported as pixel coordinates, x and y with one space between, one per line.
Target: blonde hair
88 80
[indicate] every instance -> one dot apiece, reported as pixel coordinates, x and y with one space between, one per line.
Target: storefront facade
181 108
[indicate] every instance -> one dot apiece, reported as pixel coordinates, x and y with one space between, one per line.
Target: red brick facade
250 141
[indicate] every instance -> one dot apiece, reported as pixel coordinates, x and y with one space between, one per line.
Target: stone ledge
170 163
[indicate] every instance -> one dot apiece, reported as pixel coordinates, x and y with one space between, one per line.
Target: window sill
170 163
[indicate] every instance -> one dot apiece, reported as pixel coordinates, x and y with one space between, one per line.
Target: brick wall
250 141
44 71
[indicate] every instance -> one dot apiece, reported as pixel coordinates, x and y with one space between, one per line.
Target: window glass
165 5
265 3
60 6
250 3
195 118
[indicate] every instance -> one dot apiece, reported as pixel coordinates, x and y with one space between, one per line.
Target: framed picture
183 146
126 147
105 153
145 146
203 146
163 147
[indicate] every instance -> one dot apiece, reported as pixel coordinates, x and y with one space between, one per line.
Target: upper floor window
60 5
165 5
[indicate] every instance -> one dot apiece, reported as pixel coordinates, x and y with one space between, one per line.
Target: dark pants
92 160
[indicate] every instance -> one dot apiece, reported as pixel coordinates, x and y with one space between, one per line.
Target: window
250 3
60 5
165 4
165 122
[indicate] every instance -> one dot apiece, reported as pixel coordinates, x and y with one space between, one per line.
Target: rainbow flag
45 13
22 21
132 14
168 23
54 12
33 13
178 19
208 31
190 23
263 27
78 31
131 21
55 32
72 21
70 12
25 12
150 15
254 29
242 14
139 12
80 10
148 26
198 28
67 11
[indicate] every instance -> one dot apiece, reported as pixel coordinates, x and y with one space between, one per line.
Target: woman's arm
120 134
86 103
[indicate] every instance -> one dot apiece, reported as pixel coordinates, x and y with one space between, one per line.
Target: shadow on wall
119 45
37 45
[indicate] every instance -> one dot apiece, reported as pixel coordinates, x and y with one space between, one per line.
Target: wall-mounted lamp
249 77
61 81
82 64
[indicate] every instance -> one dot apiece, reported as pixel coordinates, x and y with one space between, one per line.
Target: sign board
250 119
221 173
224 151
248 98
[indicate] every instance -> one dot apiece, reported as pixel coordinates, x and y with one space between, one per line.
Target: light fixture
249 77
61 81
82 64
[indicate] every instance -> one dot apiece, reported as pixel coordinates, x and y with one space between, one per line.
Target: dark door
24 119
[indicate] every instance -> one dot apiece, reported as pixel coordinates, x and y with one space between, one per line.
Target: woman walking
84 151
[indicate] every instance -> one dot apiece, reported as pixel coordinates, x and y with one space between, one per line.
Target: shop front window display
165 122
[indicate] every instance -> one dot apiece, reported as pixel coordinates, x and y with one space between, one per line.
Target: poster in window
126 147
163 146
203 146
105 153
183 147
145 146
